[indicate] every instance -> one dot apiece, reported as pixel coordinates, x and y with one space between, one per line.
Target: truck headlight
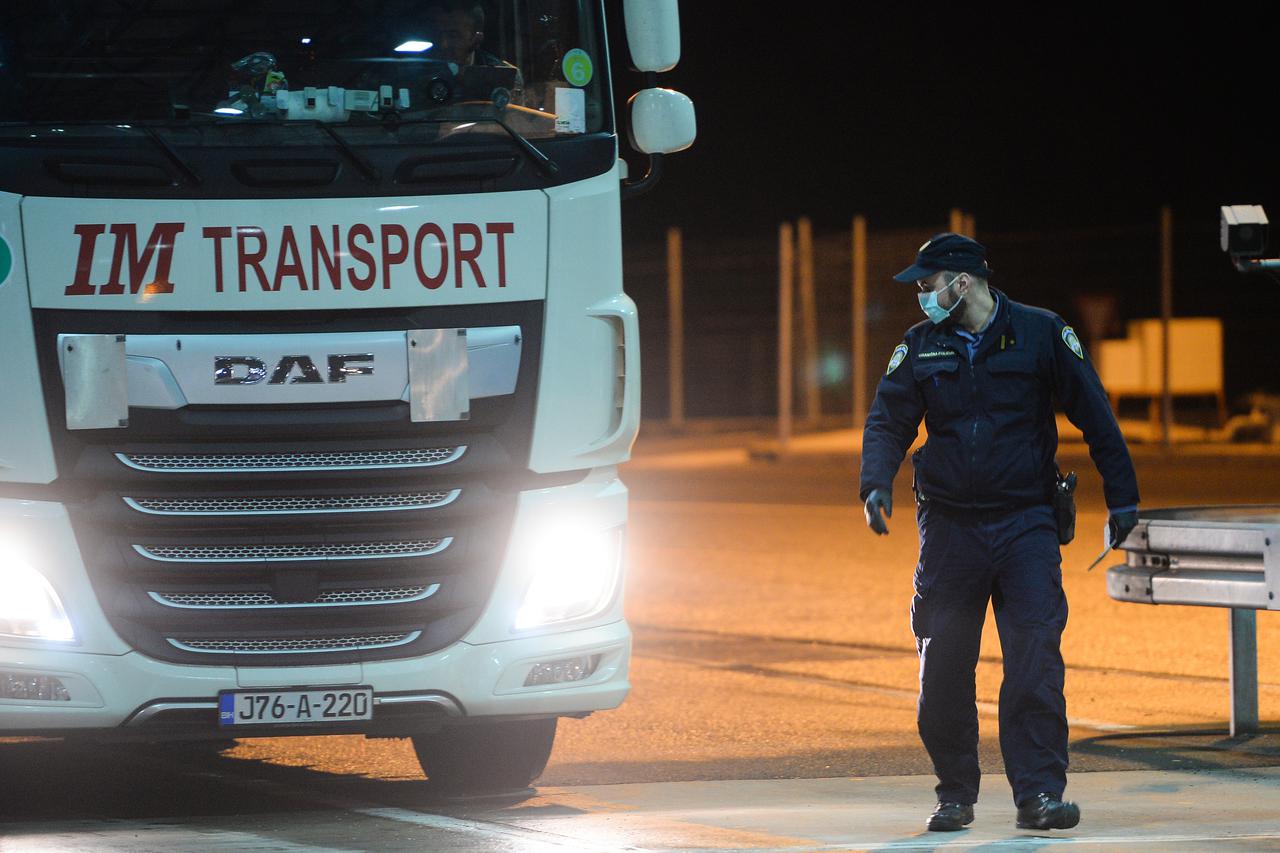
574 573
29 607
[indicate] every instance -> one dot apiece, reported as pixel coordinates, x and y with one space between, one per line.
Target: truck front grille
351 460
292 505
297 645
256 600
246 535
291 552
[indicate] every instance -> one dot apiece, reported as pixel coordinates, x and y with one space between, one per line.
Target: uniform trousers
1010 558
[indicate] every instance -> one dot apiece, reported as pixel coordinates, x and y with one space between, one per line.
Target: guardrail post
1244 671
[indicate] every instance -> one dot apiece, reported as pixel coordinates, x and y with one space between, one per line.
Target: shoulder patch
1072 340
899 353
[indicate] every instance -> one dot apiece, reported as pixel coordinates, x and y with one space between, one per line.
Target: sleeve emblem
1072 340
899 353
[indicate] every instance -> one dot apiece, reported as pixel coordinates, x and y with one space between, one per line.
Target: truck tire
485 758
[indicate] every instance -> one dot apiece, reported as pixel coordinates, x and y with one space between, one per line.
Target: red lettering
247 259
501 230
123 234
285 266
330 258
466 256
430 229
217 235
389 258
361 256
163 238
126 247
88 235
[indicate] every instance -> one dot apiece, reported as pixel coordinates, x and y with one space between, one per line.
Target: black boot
949 817
1047 811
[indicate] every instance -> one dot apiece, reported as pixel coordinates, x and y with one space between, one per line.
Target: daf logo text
291 369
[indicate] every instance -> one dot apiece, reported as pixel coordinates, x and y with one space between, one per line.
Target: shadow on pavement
1181 749
62 781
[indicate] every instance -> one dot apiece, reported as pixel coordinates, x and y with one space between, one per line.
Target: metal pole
675 325
859 344
786 269
970 226
808 323
1244 672
956 221
1166 316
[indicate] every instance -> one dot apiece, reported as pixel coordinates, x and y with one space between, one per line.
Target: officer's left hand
1121 524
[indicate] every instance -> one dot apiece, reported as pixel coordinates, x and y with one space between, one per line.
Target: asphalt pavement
771 708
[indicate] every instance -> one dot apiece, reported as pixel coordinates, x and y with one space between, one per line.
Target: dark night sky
1054 118
1059 115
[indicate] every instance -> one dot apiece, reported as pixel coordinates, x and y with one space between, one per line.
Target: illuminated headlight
574 572
28 605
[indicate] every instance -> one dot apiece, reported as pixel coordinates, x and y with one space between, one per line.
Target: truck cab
319 371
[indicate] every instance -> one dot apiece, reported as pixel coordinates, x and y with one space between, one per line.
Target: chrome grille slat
292 505
255 553
294 645
265 600
337 460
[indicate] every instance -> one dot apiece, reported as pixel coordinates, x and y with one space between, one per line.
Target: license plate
274 707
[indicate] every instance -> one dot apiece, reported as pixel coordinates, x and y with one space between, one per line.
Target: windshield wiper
174 158
366 168
545 164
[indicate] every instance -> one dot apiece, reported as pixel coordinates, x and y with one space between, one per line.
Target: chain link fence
1096 278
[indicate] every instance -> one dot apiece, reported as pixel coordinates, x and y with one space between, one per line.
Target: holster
1064 505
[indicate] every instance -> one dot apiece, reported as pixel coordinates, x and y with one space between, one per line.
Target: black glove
879 499
1121 524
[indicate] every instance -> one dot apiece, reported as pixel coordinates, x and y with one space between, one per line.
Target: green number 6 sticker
577 67
6 260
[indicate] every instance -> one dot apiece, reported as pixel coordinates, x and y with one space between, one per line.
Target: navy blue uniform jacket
991 427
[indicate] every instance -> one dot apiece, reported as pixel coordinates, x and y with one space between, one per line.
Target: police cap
948 251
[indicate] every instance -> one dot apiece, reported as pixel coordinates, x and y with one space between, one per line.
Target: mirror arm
631 189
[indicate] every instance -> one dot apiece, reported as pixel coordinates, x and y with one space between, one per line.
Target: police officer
983 372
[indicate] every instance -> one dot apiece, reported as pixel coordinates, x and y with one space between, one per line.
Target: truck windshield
437 67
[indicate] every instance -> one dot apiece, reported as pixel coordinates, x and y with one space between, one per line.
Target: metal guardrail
1221 556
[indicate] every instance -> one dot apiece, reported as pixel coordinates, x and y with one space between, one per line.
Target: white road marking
142 836
530 840
535 839
1027 842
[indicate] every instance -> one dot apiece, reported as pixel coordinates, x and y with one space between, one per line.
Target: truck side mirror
662 121
653 34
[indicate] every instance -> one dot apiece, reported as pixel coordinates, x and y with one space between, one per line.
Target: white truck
318 370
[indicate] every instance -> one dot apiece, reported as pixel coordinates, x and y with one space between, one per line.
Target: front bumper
133 695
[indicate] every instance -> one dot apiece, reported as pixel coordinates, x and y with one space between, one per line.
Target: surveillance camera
1243 230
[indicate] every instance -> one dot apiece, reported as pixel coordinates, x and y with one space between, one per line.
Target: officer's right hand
879 499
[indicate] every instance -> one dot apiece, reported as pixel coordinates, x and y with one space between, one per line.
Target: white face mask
929 303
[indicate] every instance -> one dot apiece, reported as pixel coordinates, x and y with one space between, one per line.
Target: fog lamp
28 605
575 569
559 671
22 685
